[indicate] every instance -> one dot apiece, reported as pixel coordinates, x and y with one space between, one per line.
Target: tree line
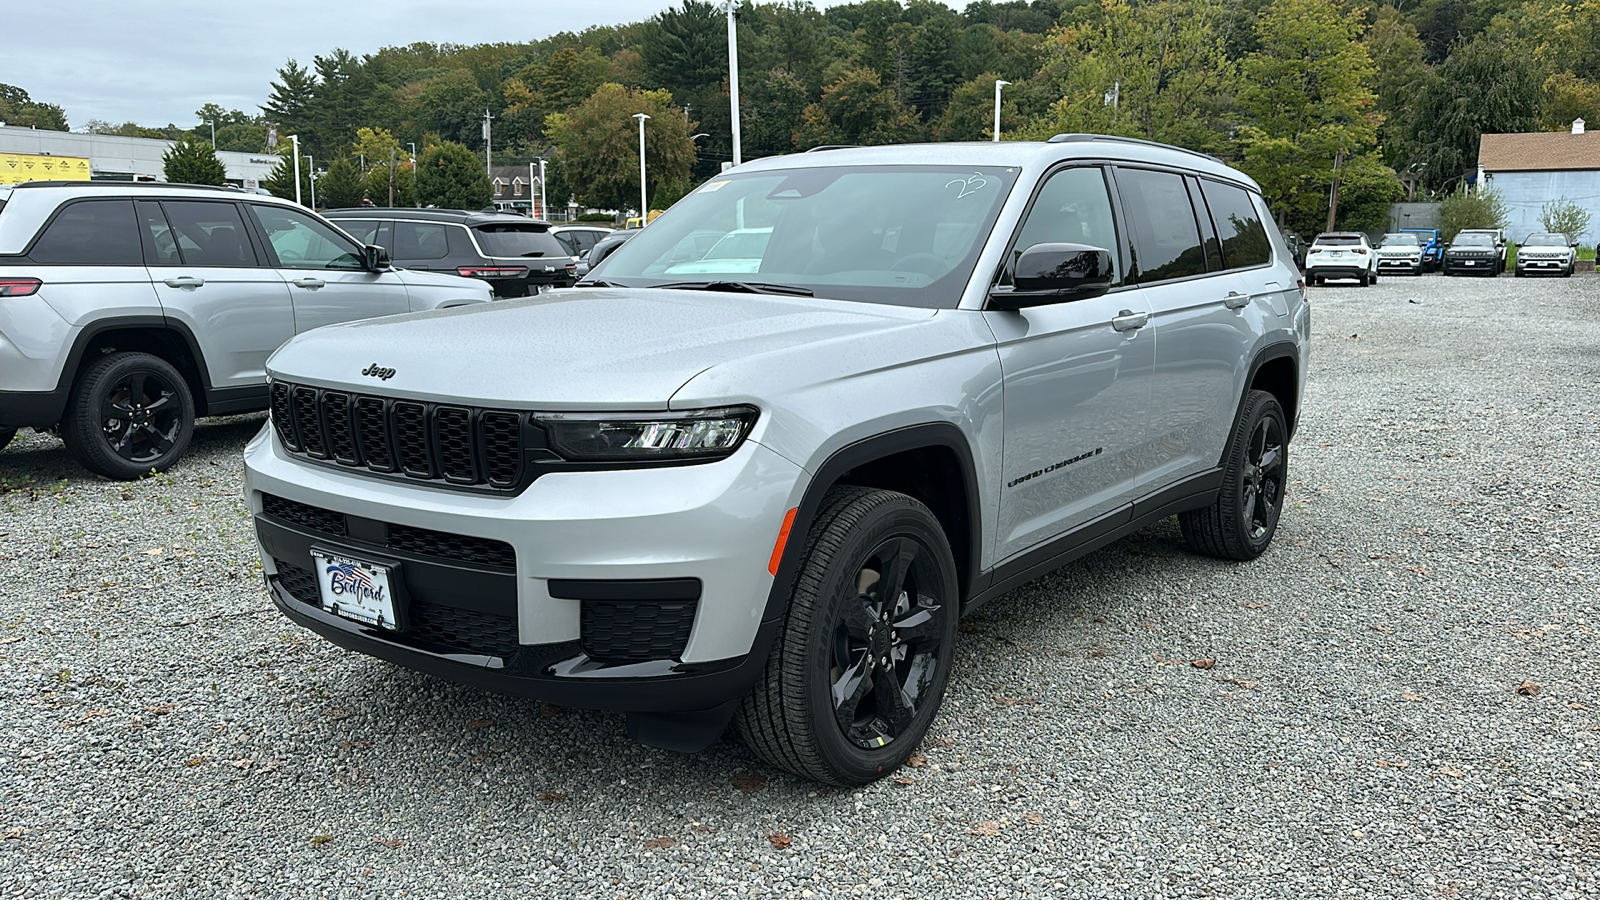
1391 93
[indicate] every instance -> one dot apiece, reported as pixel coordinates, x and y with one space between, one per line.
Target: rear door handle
1128 320
1236 300
309 284
185 281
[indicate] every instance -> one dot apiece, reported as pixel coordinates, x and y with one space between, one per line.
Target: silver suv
763 493
127 310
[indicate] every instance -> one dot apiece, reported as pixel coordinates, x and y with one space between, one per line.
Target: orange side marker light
783 538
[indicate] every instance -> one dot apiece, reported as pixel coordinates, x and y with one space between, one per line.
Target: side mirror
374 258
1055 273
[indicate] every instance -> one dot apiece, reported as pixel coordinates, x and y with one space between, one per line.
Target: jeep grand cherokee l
764 494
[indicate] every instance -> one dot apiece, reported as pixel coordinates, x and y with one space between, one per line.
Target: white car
1547 252
1342 254
1400 252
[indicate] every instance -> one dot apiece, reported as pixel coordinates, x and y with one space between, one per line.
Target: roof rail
127 184
821 147
1084 138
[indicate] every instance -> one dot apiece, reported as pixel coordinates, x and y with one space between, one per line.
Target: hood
588 348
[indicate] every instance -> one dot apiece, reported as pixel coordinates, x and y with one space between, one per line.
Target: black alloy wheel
860 667
1240 523
131 414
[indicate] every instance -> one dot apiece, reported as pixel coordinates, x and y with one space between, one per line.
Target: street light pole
644 208
733 77
213 124
414 173
998 84
544 206
295 139
311 168
488 137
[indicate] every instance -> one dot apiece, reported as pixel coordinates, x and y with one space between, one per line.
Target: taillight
1313 250
1361 250
492 271
18 287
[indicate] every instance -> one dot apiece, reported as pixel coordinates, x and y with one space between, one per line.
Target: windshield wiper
587 283
740 287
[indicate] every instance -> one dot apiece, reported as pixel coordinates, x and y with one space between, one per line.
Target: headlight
702 434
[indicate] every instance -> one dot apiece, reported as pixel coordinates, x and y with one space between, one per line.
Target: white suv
761 487
128 310
1342 254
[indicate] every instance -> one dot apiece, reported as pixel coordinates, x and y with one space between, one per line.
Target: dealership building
30 155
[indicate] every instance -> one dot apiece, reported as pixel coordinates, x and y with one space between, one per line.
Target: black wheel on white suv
6 434
1240 524
861 664
131 414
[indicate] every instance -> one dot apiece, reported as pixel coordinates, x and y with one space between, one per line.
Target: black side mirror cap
374 258
1055 273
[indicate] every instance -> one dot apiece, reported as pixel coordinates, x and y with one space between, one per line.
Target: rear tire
6 434
1364 279
857 673
1240 524
131 414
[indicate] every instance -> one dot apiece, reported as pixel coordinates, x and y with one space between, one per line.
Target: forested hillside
1398 90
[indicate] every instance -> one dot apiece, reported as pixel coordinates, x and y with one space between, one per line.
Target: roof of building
508 174
1539 151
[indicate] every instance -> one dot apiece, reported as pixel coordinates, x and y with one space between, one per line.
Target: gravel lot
1360 733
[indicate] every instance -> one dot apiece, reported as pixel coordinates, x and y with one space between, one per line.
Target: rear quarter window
1244 240
91 233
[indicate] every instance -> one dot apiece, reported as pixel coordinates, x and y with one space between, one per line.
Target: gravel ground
1361 732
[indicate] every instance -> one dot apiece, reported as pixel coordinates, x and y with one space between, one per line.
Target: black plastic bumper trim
635 589
32 409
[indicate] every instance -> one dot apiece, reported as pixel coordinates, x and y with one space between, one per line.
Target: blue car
1432 247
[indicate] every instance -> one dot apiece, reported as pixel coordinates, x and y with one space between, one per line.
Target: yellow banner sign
15 168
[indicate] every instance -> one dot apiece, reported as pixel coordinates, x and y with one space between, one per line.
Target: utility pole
414 200
391 179
311 166
488 134
1333 192
733 76
644 208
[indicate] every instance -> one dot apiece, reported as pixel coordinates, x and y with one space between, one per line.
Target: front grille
312 517
624 631
454 446
451 546
445 626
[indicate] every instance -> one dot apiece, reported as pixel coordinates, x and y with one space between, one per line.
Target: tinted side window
91 233
158 235
1244 240
209 234
1208 232
1166 241
1073 207
302 242
419 240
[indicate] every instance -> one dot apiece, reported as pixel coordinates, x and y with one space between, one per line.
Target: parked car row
1411 251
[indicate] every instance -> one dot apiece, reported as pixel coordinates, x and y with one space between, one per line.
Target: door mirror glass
376 258
1053 273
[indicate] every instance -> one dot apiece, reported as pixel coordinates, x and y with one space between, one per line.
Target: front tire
860 667
1240 524
131 414
6 434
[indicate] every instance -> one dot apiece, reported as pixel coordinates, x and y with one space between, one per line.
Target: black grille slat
452 431
312 517
300 583
372 425
448 445
282 419
308 421
624 631
336 416
411 439
502 448
463 548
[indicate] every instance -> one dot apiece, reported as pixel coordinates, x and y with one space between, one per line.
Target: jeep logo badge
378 372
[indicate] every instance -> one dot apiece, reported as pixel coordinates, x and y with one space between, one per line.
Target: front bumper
1542 263
1471 263
1399 263
514 628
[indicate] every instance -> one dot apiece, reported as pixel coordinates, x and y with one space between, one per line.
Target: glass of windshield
906 235
1400 240
1473 240
1547 240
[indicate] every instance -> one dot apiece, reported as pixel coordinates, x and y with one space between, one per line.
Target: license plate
355 589
1471 262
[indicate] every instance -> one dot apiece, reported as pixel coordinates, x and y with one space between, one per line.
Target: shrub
1480 209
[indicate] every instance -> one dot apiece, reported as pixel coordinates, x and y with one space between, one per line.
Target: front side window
91 233
1073 207
1244 240
364 231
905 235
208 234
302 242
1166 239
420 240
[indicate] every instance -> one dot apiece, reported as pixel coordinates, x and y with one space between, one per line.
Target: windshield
906 235
1338 240
1472 240
515 239
1400 240
1546 240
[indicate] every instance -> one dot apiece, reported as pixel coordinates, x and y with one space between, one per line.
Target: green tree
289 105
1562 216
452 104
193 162
599 145
1568 97
1307 104
857 109
17 108
1485 86
345 98
1402 74
280 181
340 186
246 138
376 183
126 129
451 176
1367 189
376 146
970 114
774 104
1478 209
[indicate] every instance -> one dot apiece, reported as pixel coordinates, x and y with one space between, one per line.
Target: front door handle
309 284
1236 300
1128 320
185 281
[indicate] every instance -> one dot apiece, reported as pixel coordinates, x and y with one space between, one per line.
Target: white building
1530 170
114 158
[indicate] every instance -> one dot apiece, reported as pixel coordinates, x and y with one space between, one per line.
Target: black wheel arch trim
208 400
1274 351
911 437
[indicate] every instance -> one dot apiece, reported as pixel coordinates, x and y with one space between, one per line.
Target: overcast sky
155 63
